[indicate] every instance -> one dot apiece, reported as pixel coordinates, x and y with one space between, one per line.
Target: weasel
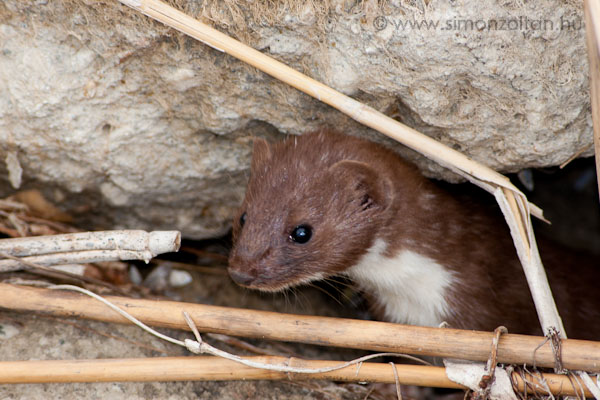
325 204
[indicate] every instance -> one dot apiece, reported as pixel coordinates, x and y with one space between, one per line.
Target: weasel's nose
240 277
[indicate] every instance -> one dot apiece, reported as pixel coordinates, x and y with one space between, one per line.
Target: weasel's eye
301 234
243 220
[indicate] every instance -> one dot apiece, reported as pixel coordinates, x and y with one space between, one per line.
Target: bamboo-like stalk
530 258
592 28
208 368
87 247
475 172
367 335
205 368
156 242
76 257
592 25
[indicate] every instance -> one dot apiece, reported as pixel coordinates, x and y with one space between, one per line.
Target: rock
179 278
126 123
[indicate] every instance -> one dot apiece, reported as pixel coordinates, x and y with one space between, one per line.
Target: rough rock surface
126 123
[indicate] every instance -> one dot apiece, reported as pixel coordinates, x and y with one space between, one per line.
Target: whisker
335 285
291 293
340 280
302 301
286 300
326 292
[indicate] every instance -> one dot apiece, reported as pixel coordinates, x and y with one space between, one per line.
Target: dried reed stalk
87 247
517 214
206 368
367 335
592 28
209 368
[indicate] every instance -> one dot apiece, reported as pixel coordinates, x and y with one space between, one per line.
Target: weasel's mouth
271 284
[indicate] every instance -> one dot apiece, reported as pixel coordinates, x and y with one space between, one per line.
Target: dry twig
209 368
338 332
86 247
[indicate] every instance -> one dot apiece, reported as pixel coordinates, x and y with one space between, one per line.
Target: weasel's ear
261 152
362 184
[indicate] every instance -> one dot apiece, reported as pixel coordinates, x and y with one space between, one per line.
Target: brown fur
351 191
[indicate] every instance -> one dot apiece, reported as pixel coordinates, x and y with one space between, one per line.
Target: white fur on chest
411 287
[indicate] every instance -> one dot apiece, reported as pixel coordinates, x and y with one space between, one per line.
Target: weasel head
308 213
